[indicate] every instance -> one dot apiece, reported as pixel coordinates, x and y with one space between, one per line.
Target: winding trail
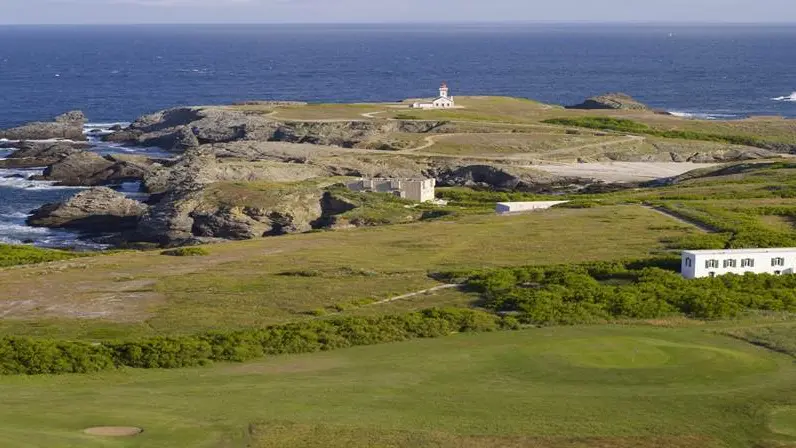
681 219
415 294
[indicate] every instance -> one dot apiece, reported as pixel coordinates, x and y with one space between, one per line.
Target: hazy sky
207 11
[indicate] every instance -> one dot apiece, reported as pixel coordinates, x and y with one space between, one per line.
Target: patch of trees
20 355
599 292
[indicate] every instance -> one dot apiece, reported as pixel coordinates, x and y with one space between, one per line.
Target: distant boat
671 34
791 97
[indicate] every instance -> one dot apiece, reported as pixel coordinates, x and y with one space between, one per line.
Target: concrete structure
710 263
443 101
420 190
519 207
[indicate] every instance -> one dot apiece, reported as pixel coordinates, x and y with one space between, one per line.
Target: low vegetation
779 338
14 255
646 289
187 252
634 127
40 356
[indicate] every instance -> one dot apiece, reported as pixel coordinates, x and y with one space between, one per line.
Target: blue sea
116 73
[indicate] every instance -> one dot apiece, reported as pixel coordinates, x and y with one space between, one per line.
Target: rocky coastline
220 145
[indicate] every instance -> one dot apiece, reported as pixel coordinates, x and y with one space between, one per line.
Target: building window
730 264
688 263
711 264
748 263
777 261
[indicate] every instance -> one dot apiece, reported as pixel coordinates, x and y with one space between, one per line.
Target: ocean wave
790 98
21 178
704 115
14 215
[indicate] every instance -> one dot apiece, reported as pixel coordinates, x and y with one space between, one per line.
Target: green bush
186 252
35 356
642 289
13 255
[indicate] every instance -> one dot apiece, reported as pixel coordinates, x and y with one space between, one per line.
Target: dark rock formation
184 128
67 126
90 169
98 210
36 154
617 101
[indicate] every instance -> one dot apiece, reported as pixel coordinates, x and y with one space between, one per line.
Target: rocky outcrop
184 128
616 101
98 210
91 169
67 126
32 154
501 177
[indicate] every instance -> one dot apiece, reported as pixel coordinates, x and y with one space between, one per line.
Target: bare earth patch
113 431
622 171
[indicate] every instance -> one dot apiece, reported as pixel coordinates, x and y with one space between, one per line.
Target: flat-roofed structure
503 208
712 263
419 190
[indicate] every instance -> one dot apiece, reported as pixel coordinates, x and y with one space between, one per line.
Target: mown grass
14 255
569 387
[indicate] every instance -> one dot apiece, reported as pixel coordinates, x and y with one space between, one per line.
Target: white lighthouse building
443 101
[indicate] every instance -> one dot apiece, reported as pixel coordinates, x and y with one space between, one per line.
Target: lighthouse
443 90
443 101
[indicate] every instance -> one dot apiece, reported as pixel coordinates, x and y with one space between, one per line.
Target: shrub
37 356
13 255
186 252
640 289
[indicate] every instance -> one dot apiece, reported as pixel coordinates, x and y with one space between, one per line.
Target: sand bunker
113 431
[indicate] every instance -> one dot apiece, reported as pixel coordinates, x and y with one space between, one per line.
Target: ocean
116 73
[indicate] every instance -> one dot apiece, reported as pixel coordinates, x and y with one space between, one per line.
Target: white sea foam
790 98
15 215
704 115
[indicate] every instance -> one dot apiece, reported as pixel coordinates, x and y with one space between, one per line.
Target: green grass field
248 284
554 387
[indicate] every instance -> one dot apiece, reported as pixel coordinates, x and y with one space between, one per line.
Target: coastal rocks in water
91 169
616 101
97 210
32 154
67 126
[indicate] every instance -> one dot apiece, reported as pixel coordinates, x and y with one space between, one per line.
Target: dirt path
370 115
415 294
681 219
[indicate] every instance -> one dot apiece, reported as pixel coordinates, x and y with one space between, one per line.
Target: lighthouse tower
443 90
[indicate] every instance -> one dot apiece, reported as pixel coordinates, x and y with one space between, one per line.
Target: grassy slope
240 285
561 387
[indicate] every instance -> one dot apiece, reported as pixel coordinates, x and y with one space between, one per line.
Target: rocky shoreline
218 145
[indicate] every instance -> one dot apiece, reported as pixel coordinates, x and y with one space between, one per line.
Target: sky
371 11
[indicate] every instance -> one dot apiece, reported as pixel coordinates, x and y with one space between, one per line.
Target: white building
503 208
710 263
419 190
443 101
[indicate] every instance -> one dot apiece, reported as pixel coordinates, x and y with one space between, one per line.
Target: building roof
774 250
442 98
